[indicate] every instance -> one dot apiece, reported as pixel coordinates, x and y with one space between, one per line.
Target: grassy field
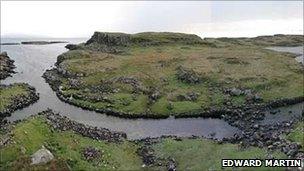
159 79
30 135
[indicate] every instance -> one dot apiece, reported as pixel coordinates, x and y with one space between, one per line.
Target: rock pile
6 66
91 153
268 136
63 123
249 94
190 96
188 75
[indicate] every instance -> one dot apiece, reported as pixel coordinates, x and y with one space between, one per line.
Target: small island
157 75
41 42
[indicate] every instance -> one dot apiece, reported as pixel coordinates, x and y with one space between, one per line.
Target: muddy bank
6 66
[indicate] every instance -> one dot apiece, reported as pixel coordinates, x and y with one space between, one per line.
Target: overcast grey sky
204 18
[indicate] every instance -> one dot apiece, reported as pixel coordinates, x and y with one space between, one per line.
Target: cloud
81 18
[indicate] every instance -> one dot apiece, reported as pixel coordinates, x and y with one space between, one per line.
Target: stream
31 61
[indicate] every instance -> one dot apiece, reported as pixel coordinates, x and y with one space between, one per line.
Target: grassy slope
271 74
66 146
8 94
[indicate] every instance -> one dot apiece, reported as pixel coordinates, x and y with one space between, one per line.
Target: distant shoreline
35 42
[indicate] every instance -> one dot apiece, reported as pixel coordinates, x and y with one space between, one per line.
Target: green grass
297 135
238 63
66 147
195 154
8 94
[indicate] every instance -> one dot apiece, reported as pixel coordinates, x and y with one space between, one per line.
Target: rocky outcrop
110 39
72 46
6 66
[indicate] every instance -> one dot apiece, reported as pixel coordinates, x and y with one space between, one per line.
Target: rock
235 92
3 54
257 97
188 75
91 153
42 156
256 126
110 39
192 96
171 166
71 46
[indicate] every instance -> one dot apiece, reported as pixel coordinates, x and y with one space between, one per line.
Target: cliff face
146 38
110 39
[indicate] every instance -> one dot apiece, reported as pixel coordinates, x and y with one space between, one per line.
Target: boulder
235 92
42 156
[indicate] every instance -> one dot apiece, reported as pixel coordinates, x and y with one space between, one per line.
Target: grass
66 146
8 94
195 154
270 74
296 135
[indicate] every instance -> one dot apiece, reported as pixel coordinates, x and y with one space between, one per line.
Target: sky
65 19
